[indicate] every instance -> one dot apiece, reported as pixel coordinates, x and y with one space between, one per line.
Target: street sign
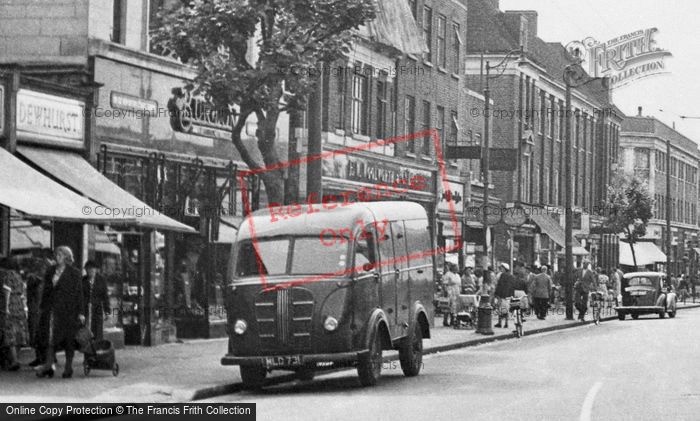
503 159
463 152
515 216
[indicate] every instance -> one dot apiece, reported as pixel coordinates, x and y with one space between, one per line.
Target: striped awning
395 26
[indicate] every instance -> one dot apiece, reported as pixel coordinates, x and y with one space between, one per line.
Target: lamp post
571 72
486 154
668 211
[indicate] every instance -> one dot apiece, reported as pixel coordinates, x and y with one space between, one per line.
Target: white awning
37 196
395 26
647 253
77 173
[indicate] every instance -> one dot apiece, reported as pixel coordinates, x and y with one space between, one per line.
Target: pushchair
99 355
466 312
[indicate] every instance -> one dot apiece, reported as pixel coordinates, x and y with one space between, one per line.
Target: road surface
646 369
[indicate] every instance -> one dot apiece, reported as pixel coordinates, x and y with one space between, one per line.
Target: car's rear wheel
369 366
306 374
635 316
672 314
662 314
253 376
621 316
411 353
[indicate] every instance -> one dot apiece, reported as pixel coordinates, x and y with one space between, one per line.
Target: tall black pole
668 210
485 161
314 170
568 229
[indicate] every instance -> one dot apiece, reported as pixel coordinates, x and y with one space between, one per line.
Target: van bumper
639 309
307 360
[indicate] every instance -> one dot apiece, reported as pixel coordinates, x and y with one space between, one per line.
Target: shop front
168 147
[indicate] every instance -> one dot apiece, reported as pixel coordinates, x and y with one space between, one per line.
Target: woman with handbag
61 312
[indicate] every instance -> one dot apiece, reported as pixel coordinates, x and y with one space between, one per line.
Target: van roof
314 222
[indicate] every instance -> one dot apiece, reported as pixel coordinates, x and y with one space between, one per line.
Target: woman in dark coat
61 311
95 299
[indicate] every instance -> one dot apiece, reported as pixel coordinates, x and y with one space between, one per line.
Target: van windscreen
273 258
309 257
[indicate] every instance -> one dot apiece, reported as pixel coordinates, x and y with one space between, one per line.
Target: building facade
643 149
529 123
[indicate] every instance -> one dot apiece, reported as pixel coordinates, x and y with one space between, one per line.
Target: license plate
283 361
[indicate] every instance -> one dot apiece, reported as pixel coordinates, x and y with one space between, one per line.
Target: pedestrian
487 286
452 284
586 280
541 286
95 299
503 292
468 281
12 305
61 312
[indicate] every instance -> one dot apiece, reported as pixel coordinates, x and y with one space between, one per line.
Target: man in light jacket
540 288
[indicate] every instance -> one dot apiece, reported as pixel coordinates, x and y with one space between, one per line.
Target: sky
667 96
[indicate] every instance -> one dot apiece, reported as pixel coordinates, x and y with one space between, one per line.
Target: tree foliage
292 39
629 207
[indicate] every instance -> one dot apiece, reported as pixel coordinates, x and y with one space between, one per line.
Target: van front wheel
369 366
411 352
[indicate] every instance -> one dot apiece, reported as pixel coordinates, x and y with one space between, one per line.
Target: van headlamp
240 327
330 324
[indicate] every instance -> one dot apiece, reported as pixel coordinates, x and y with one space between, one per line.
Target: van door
402 277
388 275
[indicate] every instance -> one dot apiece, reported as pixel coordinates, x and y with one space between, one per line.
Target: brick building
529 120
643 152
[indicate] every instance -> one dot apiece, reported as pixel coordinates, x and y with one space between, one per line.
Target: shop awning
550 227
77 173
646 253
697 250
28 191
228 228
26 236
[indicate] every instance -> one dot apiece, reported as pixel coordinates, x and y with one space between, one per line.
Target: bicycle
517 305
597 300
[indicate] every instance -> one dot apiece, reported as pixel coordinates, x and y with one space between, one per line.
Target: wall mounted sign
133 103
454 195
50 119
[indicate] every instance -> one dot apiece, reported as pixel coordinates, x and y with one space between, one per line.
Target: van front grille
284 318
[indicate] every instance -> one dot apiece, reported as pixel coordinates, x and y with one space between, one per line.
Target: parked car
646 293
303 301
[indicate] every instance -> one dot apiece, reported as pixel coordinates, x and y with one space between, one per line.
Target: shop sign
455 194
374 171
133 103
194 115
50 118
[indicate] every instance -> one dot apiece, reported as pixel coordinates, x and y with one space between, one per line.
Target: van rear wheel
621 316
635 316
253 376
411 352
369 366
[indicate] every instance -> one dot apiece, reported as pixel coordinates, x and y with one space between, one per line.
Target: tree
629 208
261 58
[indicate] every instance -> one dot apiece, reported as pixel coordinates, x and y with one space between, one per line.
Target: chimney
639 111
522 24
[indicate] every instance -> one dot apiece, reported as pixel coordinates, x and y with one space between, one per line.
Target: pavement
191 370
621 370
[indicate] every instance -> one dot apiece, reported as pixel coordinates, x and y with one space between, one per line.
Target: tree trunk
634 255
273 180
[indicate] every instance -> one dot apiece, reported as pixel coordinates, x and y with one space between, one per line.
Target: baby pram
99 355
466 312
